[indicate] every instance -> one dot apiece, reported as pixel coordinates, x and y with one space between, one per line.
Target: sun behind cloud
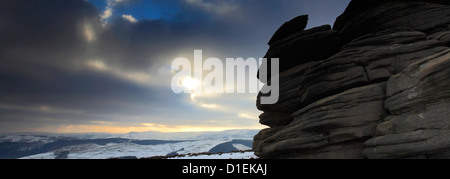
190 83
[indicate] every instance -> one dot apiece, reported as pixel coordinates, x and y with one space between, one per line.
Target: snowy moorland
131 145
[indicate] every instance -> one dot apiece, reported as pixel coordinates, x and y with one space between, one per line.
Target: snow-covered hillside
222 135
131 145
112 150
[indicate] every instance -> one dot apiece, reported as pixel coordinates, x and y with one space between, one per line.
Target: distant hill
221 135
230 146
138 145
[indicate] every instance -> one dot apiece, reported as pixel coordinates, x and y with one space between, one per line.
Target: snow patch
235 155
241 147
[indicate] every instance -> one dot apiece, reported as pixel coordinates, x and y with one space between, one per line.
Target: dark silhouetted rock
342 118
272 119
364 62
371 16
288 101
310 45
355 107
297 24
405 145
443 37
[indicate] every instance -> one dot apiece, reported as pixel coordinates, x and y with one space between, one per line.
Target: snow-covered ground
241 147
125 145
235 155
28 138
93 151
222 135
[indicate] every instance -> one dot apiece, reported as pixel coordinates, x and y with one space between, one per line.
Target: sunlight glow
191 83
248 116
108 127
141 78
89 33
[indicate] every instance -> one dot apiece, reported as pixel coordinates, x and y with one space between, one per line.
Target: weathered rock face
418 100
371 16
376 86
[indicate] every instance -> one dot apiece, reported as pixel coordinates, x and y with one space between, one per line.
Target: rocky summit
374 86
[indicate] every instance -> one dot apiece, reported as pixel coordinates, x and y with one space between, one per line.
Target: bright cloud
89 33
109 10
107 13
129 18
248 116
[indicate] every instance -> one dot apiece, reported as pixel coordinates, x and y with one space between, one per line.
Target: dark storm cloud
248 24
85 90
75 97
43 30
41 48
233 28
45 46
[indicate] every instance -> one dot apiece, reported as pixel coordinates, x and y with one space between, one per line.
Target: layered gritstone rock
375 86
418 100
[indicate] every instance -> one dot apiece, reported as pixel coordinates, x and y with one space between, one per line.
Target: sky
77 66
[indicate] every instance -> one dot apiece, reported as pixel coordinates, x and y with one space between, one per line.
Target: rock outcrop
297 24
374 86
